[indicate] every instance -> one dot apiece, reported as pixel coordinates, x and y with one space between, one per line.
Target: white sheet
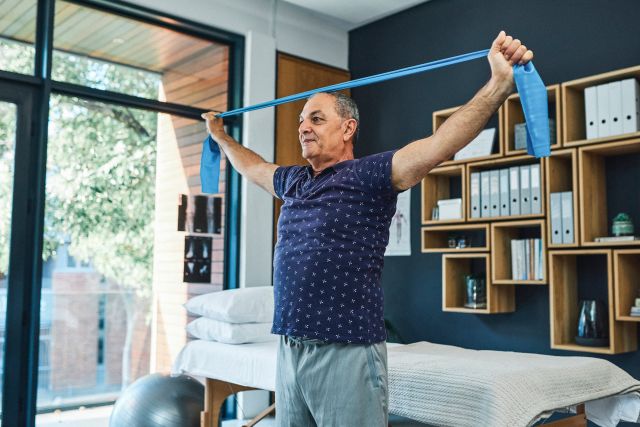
250 365
452 386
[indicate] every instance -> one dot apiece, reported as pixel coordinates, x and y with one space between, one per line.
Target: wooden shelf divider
573 114
438 185
434 238
626 275
592 177
561 174
500 299
501 235
564 309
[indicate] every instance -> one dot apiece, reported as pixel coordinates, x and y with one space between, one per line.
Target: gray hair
346 109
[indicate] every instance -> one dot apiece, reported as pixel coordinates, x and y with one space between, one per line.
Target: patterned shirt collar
330 169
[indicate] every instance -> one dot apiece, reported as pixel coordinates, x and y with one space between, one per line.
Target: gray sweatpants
331 384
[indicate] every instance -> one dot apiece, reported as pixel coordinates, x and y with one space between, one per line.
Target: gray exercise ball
158 400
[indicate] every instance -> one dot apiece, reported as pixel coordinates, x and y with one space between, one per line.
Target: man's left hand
504 54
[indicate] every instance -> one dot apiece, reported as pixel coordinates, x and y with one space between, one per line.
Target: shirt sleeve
374 172
283 178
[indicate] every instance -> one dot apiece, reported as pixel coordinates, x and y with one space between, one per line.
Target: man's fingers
505 44
528 56
497 43
517 55
210 115
513 47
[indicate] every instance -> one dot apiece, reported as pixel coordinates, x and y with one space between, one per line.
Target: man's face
321 131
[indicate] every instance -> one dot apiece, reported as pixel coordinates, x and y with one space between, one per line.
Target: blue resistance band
530 86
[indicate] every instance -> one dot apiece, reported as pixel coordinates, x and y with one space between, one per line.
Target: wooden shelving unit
626 274
501 235
573 115
439 117
500 299
577 165
514 115
440 184
592 177
504 162
563 298
434 239
561 174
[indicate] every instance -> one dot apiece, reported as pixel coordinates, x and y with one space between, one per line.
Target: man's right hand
215 127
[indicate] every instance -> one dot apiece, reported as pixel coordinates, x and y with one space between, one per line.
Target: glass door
16 154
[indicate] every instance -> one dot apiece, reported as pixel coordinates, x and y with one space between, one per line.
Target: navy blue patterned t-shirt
332 234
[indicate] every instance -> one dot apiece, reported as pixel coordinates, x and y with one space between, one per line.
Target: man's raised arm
247 162
412 163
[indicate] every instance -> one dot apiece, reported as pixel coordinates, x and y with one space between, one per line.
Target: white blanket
452 386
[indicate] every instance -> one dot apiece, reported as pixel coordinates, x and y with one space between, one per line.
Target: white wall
294 31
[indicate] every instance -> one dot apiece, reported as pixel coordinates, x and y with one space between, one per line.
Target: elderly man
332 234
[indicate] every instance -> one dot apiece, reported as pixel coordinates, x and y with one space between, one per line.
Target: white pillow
230 333
243 305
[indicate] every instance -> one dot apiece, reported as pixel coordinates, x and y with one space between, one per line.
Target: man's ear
349 129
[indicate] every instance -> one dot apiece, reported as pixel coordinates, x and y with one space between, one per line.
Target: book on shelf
526 259
637 304
616 239
635 311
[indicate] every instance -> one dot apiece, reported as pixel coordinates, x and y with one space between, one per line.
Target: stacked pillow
234 316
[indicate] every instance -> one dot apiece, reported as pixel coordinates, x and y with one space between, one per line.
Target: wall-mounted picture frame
200 214
197 259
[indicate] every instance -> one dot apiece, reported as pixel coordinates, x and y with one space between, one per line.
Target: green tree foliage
100 171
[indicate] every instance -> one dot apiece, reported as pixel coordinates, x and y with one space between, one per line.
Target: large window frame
20 383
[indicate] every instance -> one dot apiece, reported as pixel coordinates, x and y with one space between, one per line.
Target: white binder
514 190
602 92
525 190
536 202
494 186
556 218
475 194
504 192
630 105
567 217
485 195
615 108
591 112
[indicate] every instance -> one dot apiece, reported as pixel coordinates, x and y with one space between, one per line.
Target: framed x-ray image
197 259
200 214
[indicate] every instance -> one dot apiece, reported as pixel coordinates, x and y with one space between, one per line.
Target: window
124 141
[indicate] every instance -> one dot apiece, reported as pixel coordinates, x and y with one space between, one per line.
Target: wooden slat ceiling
85 31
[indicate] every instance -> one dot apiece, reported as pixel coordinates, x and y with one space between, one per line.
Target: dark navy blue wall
570 39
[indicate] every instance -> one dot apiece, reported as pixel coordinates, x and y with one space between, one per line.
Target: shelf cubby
501 235
501 163
435 238
626 274
561 174
439 117
577 274
514 115
500 299
598 165
573 114
446 182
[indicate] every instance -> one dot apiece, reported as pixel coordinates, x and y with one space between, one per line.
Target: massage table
443 385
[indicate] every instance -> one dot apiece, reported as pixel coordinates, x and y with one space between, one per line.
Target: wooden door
297 75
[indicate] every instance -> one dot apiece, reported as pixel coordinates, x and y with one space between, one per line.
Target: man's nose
303 127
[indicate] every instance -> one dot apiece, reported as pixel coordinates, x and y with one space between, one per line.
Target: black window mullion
25 268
